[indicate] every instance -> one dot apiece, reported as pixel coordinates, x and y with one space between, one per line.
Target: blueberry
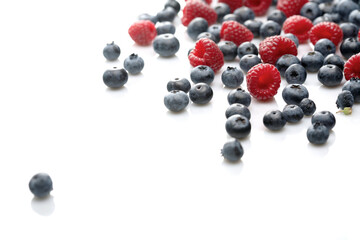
295 73
345 99
317 133
350 30
312 61
294 93
229 50
202 73
353 85
254 26
292 113
197 26
115 78
176 100
277 16
334 60
166 15
166 45
335 17
310 10
247 48
274 120
221 10
239 95
327 7
324 117
270 28
232 77
330 75
308 106
111 51
232 150
248 61
293 38
165 27
244 14
323 18
345 7
285 61
325 47
231 17
41 185
238 126
215 30
134 64
238 108
146 16
206 35
181 84
349 47
201 93
174 4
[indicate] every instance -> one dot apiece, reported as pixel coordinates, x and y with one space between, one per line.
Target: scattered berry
115 78
350 30
253 26
353 85
335 60
202 74
328 30
239 95
221 10
206 35
290 7
286 61
274 120
111 51
272 48
345 99
294 93
133 64
142 32
195 8
201 93
295 73
310 10
317 133
259 7
146 16
181 84
352 67
176 100
299 26
229 50
330 75
270 28
197 26
235 32
247 48
292 113
308 106
168 14
238 126
215 31
248 61
237 108
165 27
324 117
41 185
345 7
312 61
174 4
277 16
232 150
232 77
325 47
292 37
349 47
243 14
166 45
233 4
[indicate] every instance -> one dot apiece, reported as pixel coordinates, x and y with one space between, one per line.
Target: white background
124 167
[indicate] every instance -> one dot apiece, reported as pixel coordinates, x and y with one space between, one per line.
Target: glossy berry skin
231 17
41 185
310 10
146 16
293 113
195 9
325 47
232 77
286 61
244 14
235 32
229 50
294 93
345 99
345 7
232 150
353 85
115 78
221 10
259 7
295 73
181 84
334 60
174 4
239 95
238 108
233 4
354 17
277 16
270 28
324 117
238 126
166 45
247 48
165 27
328 30
254 26
143 32
312 61
248 61
350 30
215 31
274 120
111 51
299 26
176 100
293 38
202 74
308 106
206 35
201 93
272 48
317 133
134 64
166 15
330 75
197 26
352 67
290 7
349 47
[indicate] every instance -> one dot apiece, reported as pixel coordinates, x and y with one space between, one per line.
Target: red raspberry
207 1
263 80
206 52
233 4
272 48
290 7
142 32
359 35
299 26
352 67
197 8
328 30
259 7
235 32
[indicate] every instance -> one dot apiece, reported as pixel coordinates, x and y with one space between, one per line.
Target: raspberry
142 32
299 26
290 7
207 1
233 4
352 67
206 52
235 32
359 35
272 48
259 7
263 81
197 8
328 30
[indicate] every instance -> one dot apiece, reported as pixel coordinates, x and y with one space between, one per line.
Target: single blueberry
111 51
349 47
215 30
166 15
201 93
165 27
323 18
197 26
295 73
286 61
247 48
353 85
254 26
330 75
294 93
232 150
277 16
308 106
178 84
310 10
232 77
345 99
115 78
244 14
202 73
206 35
248 61
334 60
221 10
238 108
166 45
270 28
324 117
174 4
239 95
312 61
41 185
274 120
146 16
325 47
231 17
134 64
317 133
350 30
229 50
292 113
238 126
176 100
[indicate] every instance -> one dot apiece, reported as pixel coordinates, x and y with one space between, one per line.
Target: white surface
125 168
